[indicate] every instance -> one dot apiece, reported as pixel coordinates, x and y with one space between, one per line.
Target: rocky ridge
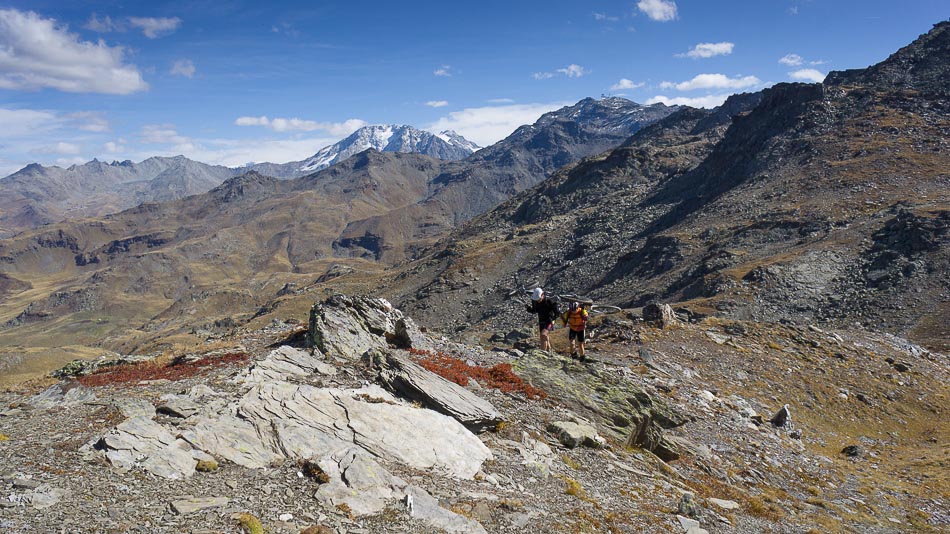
297 438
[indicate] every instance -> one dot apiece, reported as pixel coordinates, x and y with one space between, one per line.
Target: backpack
576 316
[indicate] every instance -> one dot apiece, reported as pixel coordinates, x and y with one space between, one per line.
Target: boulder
346 327
659 314
781 417
573 435
409 380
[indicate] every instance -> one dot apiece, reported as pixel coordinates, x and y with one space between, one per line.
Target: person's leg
580 342
572 335
545 339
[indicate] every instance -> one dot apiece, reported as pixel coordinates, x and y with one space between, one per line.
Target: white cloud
573 71
58 148
67 162
103 25
155 27
36 53
22 122
808 75
793 10
444 70
708 101
659 10
277 124
89 121
487 125
705 50
713 81
437 103
162 134
542 75
791 60
114 147
603 17
625 84
501 101
183 67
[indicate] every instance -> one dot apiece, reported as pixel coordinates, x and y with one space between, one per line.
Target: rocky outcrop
409 380
346 327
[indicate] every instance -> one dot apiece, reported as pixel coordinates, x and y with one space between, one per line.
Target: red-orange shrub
498 376
135 373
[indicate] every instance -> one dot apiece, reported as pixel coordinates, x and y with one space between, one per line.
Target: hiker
575 318
547 313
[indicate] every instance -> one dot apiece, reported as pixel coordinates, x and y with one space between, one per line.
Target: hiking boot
574 355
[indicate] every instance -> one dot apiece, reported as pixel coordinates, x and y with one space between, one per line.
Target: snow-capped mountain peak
447 145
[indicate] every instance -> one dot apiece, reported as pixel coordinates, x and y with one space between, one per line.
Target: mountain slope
469 187
37 195
820 203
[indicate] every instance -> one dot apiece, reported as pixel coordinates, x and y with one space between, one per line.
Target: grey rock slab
426 508
178 406
573 435
408 379
188 505
687 523
62 394
307 419
287 362
46 496
133 407
725 505
234 439
357 481
419 438
141 441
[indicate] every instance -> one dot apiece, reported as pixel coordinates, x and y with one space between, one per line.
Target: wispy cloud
162 134
706 50
114 147
183 67
501 101
437 103
791 60
625 84
659 10
299 125
444 70
487 125
709 101
573 71
155 27
807 75
36 52
793 10
88 121
713 81
58 148
103 25
603 17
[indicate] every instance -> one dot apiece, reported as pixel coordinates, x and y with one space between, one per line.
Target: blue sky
233 82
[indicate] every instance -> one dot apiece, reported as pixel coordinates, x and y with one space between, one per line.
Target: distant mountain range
225 249
37 195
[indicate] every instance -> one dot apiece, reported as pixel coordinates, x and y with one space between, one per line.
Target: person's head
573 306
537 295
